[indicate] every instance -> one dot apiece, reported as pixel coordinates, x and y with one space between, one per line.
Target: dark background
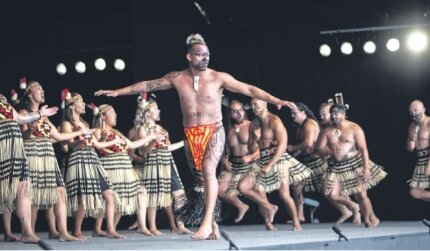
271 44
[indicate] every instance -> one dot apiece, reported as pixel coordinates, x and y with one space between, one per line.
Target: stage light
369 47
61 69
80 67
100 64
417 41
393 44
119 64
346 48
325 50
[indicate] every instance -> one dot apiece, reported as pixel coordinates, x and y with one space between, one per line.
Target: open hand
47 112
108 93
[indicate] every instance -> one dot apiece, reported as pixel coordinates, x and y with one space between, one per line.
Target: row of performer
109 174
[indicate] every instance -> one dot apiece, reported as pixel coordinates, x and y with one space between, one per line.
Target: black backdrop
271 44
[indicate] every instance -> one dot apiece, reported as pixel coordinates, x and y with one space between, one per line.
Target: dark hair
338 107
302 107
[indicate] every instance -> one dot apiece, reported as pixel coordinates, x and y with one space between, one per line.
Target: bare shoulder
173 75
311 124
66 126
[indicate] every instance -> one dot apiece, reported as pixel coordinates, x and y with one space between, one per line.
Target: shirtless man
304 150
237 160
349 172
325 122
200 92
275 167
419 141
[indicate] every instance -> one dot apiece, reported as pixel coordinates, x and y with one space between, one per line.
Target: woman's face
110 117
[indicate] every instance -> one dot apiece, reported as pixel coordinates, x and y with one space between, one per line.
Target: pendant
336 133
237 129
196 83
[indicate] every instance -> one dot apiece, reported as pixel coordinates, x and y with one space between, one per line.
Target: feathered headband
143 100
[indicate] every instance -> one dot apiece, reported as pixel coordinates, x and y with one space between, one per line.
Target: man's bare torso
342 141
267 138
200 107
238 139
422 134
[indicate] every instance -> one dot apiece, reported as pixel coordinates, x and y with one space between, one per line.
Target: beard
202 65
237 121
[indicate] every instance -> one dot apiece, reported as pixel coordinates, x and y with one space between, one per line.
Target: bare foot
271 213
374 222
241 213
174 230
183 230
68 237
215 235
80 236
99 233
271 227
114 235
145 232
345 215
32 238
297 227
202 234
156 232
133 226
54 235
10 238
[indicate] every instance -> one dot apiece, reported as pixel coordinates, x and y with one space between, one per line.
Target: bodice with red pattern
164 142
87 139
40 128
110 136
6 111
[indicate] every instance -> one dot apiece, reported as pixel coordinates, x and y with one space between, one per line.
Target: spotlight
417 41
369 47
100 64
393 44
325 50
119 64
61 69
346 48
80 67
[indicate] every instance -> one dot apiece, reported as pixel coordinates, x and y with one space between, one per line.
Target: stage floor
244 236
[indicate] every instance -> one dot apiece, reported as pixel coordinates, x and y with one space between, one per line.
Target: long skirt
125 180
13 163
44 171
86 179
156 177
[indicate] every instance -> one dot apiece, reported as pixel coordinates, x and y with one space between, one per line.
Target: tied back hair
140 118
68 112
194 39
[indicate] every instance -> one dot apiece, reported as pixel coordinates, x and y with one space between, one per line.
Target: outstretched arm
163 83
33 116
235 85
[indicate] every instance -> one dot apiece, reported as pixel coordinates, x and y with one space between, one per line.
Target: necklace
237 129
196 83
336 132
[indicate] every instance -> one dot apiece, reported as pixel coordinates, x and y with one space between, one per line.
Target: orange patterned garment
198 139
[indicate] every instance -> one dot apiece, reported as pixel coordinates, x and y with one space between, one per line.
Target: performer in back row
349 172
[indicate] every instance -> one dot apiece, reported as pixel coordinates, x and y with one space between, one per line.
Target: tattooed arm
163 83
